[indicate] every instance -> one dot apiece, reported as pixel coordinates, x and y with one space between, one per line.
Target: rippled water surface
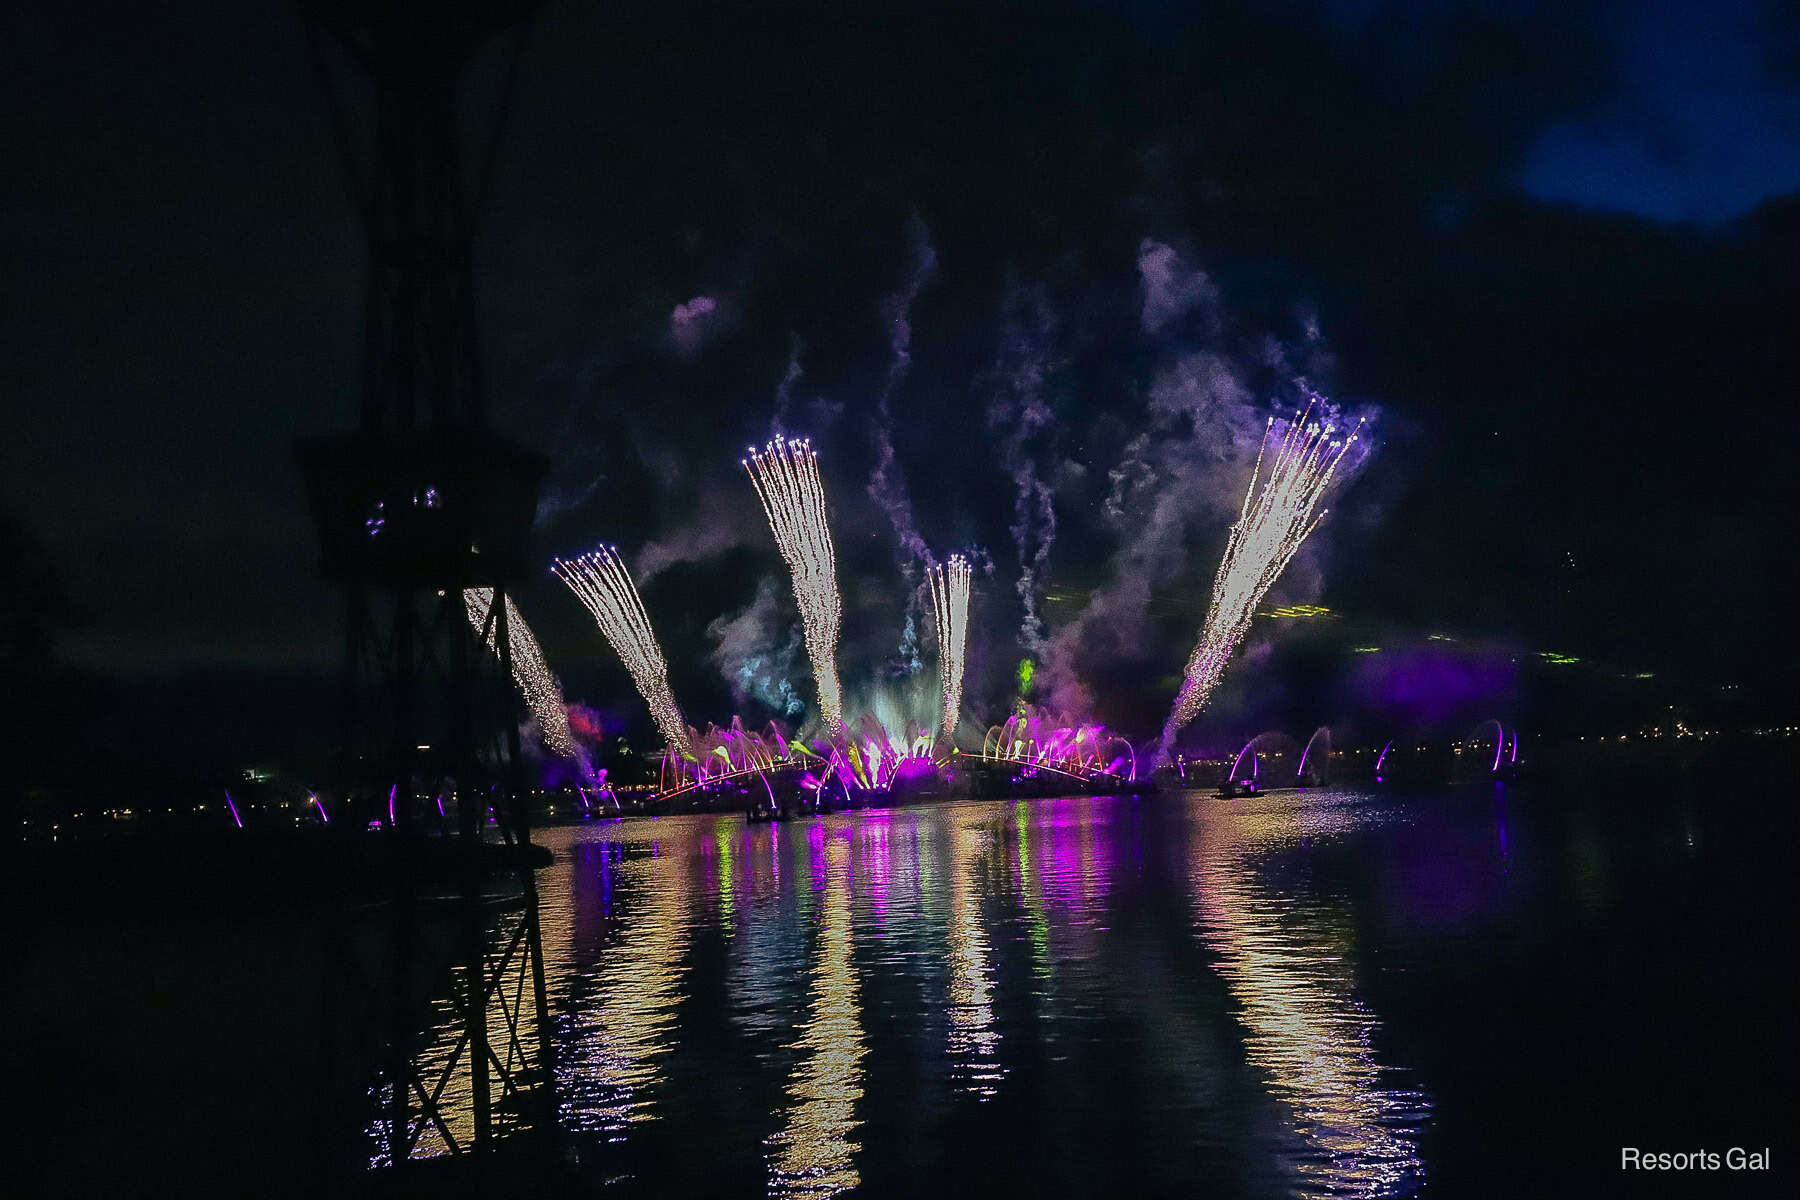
1319 993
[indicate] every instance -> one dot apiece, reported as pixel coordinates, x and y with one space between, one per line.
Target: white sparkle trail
950 604
1276 518
602 584
541 689
786 477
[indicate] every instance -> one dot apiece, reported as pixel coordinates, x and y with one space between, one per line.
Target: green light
1027 669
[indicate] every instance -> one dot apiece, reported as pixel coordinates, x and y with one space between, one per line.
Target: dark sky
1552 246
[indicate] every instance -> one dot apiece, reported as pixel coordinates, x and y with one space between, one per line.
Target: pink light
392 820
323 815
234 812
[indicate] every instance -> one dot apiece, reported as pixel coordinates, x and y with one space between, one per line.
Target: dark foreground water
1485 990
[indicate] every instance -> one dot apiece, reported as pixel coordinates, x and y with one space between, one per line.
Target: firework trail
950 602
542 692
1272 524
786 477
601 582
887 483
1019 412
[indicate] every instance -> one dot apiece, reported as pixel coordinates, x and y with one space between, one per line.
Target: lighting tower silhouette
423 500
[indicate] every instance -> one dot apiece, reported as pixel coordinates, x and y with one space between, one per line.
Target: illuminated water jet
1323 731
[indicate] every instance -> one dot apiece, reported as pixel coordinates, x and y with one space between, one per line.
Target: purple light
1382 757
1232 774
234 812
1515 746
392 821
1499 743
320 805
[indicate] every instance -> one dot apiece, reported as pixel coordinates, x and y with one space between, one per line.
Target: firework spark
1275 519
601 582
950 602
542 691
786 477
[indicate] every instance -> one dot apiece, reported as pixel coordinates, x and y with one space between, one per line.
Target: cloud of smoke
784 391
1018 412
1170 289
690 322
756 650
722 520
887 483
723 523
1189 465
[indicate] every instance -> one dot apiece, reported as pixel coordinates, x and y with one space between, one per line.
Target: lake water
1484 990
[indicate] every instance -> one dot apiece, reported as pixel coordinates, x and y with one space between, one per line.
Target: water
1477 991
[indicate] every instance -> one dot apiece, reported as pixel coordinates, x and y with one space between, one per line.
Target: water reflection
1285 955
621 1015
440 1093
811 1155
828 1004
973 1042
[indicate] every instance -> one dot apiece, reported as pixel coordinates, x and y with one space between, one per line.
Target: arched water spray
1270 746
1323 731
1237 762
1499 741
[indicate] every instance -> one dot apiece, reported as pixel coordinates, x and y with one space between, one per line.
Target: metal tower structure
420 502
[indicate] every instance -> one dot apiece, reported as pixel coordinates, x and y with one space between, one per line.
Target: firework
600 581
542 691
950 601
1275 519
786 477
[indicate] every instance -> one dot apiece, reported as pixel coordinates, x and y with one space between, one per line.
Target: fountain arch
1316 759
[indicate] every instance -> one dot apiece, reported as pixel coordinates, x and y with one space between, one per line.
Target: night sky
1551 248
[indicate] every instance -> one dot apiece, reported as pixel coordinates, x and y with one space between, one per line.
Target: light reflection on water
1044 969
811 1155
973 1044
1286 958
617 1021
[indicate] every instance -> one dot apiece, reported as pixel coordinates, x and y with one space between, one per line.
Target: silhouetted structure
422 501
